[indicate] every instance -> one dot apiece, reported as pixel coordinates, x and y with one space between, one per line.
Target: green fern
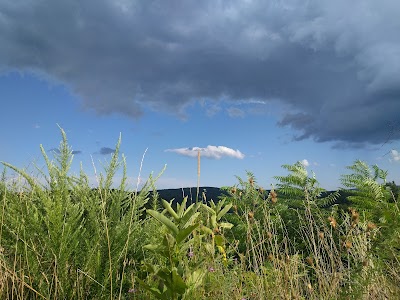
368 185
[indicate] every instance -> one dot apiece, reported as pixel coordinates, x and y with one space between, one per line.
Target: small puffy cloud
106 150
395 155
215 152
305 162
235 112
213 110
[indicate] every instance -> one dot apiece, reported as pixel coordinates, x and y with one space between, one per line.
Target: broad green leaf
164 220
196 278
178 284
156 292
226 225
213 221
184 233
206 230
224 211
219 240
182 207
169 208
189 215
190 221
209 209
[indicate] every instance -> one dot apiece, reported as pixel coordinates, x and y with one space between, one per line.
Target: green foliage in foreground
61 239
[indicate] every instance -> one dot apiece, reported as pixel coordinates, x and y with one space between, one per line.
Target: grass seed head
251 181
310 260
347 244
370 226
332 221
251 215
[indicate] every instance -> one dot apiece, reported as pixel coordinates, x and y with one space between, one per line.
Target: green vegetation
61 239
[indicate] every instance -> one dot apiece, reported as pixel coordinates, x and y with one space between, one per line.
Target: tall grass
62 239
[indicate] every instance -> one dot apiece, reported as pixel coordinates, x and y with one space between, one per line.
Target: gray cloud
106 151
334 64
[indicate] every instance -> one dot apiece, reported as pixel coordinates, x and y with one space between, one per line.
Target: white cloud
235 112
305 162
395 155
215 152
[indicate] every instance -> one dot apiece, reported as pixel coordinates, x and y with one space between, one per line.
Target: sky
252 85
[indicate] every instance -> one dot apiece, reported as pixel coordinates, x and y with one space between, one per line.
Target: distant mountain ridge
211 193
214 193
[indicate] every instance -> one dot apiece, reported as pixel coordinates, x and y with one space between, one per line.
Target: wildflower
251 215
190 254
211 269
269 235
321 235
270 257
233 190
132 290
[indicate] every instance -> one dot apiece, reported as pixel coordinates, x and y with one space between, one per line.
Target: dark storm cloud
106 150
334 64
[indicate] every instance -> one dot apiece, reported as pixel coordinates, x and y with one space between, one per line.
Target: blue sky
316 82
